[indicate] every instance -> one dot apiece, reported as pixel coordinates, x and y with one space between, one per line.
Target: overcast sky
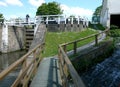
19 8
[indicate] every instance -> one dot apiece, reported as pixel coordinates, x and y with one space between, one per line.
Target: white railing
19 21
46 18
61 18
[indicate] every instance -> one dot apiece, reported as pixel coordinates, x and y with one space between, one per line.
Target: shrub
114 27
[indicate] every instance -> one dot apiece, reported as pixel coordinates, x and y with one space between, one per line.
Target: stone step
32 30
29 38
29 34
27 48
28 41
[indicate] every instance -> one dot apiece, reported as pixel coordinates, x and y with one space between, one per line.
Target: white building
110 14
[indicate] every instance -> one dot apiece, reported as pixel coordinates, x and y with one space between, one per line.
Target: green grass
53 39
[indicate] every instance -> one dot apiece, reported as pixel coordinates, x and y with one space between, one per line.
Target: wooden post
23 68
75 47
35 62
107 32
96 39
65 48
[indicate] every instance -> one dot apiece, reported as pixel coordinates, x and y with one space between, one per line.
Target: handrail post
107 32
96 39
75 47
65 48
35 63
60 64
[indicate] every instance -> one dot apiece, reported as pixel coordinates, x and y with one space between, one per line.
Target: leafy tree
42 10
98 10
96 14
1 16
52 8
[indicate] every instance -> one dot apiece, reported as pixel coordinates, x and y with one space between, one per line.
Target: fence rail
66 67
19 21
28 68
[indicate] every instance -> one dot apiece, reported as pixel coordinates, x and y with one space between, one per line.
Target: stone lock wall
64 27
92 56
16 38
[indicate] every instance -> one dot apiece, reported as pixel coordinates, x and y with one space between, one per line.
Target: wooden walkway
48 74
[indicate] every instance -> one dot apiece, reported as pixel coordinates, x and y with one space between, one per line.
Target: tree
98 10
1 18
96 14
52 8
1 15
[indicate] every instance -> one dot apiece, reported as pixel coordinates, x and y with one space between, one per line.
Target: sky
19 8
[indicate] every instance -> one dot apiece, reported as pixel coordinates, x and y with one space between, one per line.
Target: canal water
106 73
5 61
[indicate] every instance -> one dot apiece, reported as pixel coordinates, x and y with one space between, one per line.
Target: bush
114 27
115 33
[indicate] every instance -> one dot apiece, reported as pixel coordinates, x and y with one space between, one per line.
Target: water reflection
9 58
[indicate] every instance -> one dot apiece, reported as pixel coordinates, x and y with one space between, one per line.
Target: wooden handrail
76 78
21 61
65 61
81 39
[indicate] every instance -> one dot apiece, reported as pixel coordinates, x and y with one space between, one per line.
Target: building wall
104 13
114 6
109 7
0 36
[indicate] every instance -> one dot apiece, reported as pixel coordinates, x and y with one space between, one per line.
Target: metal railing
19 21
66 67
62 18
28 66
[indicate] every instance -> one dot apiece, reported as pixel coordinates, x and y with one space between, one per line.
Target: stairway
29 35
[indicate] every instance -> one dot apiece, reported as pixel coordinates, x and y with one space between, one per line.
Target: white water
106 73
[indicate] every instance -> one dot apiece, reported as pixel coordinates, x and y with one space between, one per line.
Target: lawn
53 39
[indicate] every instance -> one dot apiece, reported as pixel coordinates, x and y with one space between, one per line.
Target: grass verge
53 39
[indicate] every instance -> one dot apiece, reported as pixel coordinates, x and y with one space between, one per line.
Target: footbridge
57 71
32 70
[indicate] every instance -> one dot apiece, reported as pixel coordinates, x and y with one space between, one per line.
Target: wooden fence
66 67
28 66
